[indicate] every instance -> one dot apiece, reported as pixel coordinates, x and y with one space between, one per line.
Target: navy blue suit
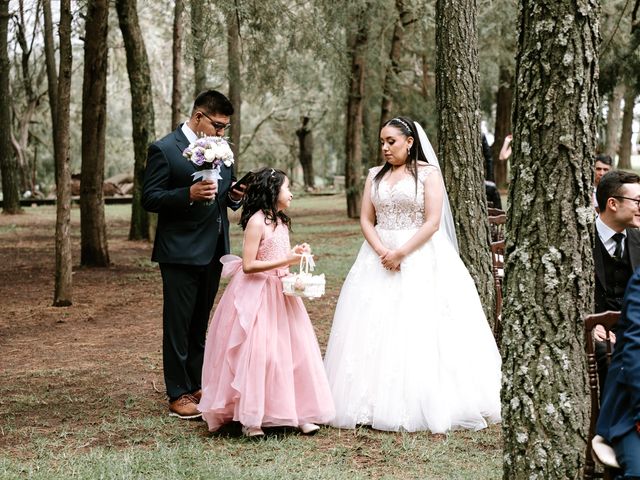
620 406
190 239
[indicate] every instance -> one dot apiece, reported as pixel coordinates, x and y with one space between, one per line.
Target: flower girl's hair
262 195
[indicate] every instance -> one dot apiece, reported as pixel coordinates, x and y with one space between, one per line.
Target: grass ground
81 387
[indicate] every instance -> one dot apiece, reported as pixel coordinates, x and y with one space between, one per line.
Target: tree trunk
235 81
613 121
176 90
504 101
8 163
393 70
459 138
549 268
198 36
624 160
142 114
63 282
357 39
94 250
305 139
52 76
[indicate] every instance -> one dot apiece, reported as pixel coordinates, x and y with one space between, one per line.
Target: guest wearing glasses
191 236
616 252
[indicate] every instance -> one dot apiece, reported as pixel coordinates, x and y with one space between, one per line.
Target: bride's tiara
399 120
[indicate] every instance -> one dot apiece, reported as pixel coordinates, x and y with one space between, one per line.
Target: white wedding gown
411 350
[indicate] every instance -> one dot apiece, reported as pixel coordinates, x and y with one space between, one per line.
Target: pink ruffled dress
262 364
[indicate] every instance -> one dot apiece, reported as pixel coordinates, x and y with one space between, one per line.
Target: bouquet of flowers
208 154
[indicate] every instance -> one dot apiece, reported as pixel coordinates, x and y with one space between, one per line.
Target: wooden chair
607 320
494 212
496 226
497 260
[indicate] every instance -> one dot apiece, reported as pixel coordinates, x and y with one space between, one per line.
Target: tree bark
198 37
8 162
357 39
235 81
142 113
94 250
176 90
63 278
459 138
393 70
613 121
50 58
549 260
305 140
504 101
624 159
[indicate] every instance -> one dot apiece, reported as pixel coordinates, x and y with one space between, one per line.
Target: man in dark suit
619 421
616 252
191 236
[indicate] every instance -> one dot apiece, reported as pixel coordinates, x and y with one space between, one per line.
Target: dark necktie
618 238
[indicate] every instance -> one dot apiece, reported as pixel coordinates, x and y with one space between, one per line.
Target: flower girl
262 364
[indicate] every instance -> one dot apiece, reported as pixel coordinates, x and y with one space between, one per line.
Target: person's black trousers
189 292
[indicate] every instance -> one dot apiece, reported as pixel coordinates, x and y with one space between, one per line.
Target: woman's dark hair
408 129
261 195
213 102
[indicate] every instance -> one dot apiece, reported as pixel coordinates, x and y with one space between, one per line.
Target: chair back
497 261
496 226
607 320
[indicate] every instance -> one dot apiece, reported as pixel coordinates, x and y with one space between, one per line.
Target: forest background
567 70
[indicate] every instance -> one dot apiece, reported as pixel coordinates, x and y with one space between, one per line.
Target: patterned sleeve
425 170
374 171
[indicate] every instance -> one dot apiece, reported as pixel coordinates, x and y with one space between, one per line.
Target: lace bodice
274 243
399 206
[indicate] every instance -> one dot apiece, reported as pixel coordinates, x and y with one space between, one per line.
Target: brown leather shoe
197 395
184 407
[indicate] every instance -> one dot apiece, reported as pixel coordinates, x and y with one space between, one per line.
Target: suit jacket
620 405
633 246
186 233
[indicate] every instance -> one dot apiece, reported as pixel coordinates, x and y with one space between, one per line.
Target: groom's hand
203 191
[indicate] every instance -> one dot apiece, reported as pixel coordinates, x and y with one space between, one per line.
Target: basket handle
306 263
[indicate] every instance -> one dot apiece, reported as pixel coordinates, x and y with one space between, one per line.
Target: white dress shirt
606 236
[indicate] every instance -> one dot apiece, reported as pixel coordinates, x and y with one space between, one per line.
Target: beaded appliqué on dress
399 206
275 243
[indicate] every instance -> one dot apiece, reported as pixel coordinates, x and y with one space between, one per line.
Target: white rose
209 155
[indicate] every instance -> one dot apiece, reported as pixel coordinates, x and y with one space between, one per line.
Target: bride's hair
261 195
406 126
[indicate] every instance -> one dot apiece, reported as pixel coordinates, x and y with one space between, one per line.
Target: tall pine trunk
613 121
357 38
8 163
94 250
624 160
63 278
504 101
235 81
459 136
142 114
404 20
549 266
198 37
52 76
176 90
305 142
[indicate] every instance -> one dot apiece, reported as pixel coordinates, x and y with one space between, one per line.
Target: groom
191 236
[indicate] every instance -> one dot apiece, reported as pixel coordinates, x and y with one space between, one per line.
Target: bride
410 348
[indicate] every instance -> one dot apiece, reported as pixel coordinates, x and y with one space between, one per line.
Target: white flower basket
304 284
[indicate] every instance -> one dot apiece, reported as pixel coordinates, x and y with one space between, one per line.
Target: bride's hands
391 260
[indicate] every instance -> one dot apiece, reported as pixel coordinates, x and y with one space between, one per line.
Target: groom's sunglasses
216 125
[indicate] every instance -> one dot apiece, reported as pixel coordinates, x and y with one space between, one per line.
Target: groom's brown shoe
197 395
184 407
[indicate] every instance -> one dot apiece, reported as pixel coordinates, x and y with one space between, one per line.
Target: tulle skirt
412 350
262 364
